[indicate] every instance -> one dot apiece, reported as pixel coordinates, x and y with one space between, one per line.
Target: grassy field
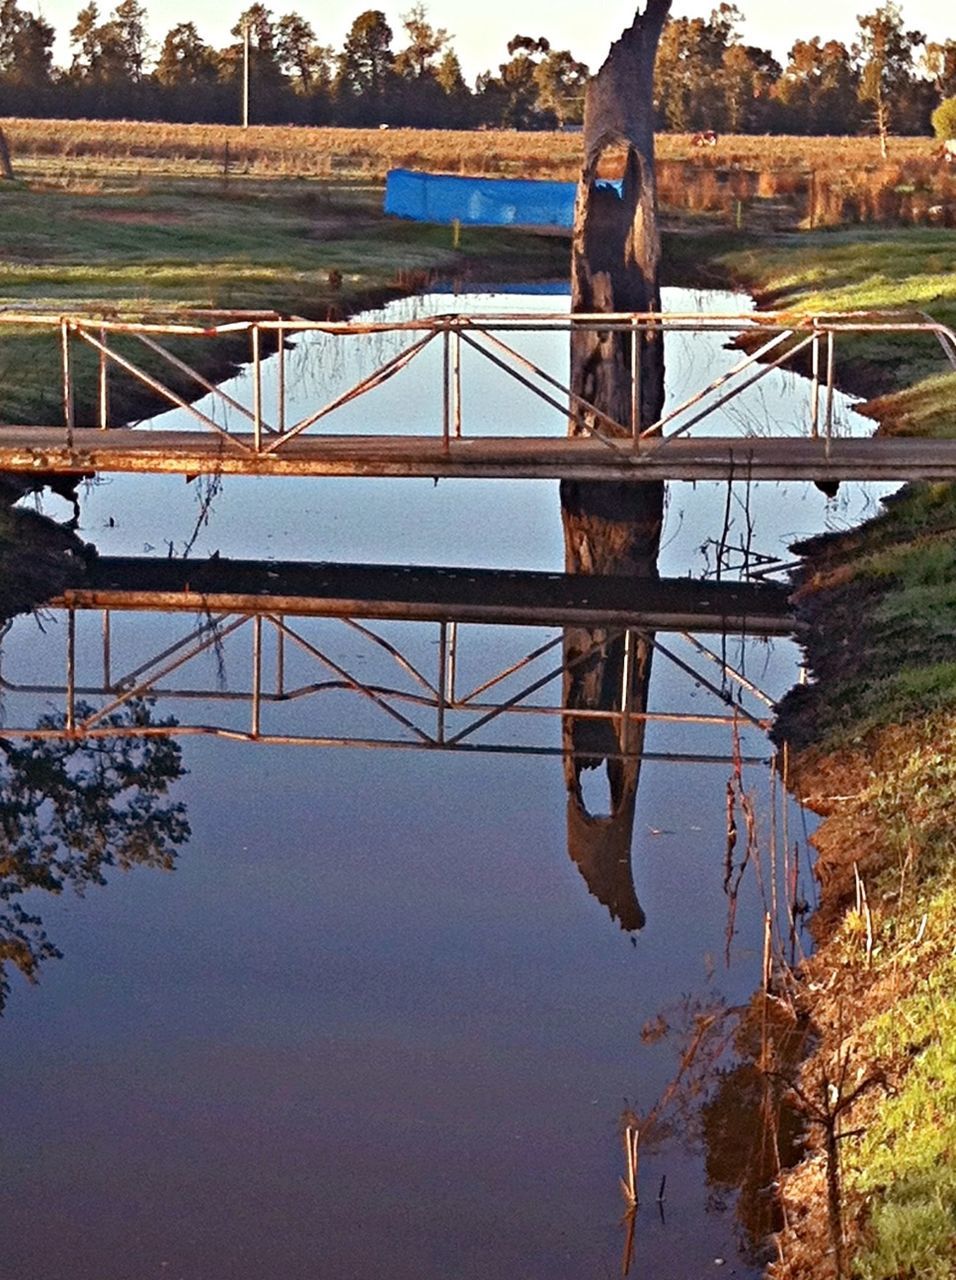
318 249
822 181
866 269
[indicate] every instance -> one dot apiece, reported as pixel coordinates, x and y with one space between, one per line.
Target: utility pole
245 75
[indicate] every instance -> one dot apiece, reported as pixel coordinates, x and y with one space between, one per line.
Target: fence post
6 167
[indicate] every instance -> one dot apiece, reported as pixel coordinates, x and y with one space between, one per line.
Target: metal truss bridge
280 424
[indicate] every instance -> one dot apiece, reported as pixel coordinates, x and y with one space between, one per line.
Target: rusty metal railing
768 341
415 707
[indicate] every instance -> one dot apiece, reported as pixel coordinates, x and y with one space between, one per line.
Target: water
374 1023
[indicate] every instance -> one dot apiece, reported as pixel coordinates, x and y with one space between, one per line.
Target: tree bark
613 528
6 167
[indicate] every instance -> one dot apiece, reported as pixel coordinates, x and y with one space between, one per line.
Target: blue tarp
479 202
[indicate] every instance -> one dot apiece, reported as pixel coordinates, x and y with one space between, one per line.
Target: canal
372 1018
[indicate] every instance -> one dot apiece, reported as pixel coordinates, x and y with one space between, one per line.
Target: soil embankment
872 748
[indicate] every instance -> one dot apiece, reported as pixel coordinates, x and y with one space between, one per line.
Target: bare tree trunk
615 263
613 528
6 168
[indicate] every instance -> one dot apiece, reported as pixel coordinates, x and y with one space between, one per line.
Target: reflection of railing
772 339
429 711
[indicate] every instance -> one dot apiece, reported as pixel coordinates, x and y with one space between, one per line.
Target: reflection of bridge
434 691
258 438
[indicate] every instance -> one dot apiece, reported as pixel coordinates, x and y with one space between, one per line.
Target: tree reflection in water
730 1095
72 807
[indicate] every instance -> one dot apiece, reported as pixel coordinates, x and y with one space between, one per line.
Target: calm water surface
373 1023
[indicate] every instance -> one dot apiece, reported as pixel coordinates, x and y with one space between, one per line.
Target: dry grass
821 181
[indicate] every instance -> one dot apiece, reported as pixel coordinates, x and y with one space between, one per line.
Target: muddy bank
872 741
870 745
38 559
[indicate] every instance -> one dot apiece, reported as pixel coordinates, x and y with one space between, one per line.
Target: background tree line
888 79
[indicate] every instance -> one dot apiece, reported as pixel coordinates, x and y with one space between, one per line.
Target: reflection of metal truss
411 706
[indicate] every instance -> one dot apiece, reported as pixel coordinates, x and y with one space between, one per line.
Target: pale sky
483 30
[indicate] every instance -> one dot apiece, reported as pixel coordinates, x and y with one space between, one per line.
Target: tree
72 808
747 77
301 57
689 75
561 83
939 63
944 120
366 66
185 60
85 41
126 35
512 98
26 45
818 89
425 43
885 55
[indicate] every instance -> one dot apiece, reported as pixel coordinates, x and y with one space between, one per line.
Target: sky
481 32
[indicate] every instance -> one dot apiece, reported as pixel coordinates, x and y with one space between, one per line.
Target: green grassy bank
124 248
316 249
873 749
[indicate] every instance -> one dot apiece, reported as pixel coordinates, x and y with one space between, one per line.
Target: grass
313 249
911 270
817 181
873 738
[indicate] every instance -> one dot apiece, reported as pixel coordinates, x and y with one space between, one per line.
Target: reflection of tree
608 673
730 1093
72 807
749 1128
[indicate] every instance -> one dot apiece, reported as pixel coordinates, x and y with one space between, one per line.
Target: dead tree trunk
615 266
613 527
6 167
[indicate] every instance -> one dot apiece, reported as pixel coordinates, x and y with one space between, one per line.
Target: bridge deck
510 597
44 449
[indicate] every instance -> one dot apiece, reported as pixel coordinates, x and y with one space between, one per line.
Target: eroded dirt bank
871 746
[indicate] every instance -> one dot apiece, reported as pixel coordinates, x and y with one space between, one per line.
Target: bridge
252 431
294 653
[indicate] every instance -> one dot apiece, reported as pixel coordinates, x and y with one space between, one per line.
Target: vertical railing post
280 660
456 397
452 665
831 376
815 388
636 380
107 651
104 385
71 670
68 407
446 386
256 674
257 387
627 691
280 383
442 679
